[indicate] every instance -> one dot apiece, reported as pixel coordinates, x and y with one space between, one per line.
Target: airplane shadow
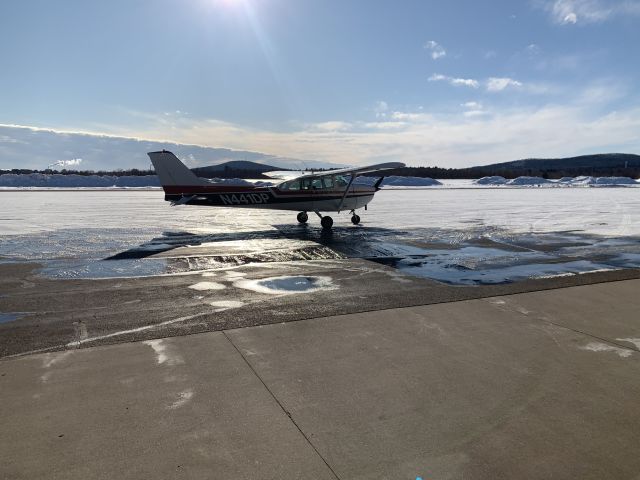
348 241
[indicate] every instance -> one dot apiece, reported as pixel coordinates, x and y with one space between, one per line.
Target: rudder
171 171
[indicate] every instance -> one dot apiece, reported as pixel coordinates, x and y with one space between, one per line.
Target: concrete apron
534 385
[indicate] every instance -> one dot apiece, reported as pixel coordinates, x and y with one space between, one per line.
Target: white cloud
473 109
407 116
66 163
471 136
498 84
533 49
566 12
466 82
381 109
437 50
331 126
475 113
472 105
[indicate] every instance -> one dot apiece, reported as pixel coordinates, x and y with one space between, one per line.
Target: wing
284 175
354 171
362 170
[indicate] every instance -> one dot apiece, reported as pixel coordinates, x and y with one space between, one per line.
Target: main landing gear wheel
326 222
355 219
303 217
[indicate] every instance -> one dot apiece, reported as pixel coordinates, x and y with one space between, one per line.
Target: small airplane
327 191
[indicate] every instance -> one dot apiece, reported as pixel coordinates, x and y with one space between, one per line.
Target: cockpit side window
328 182
306 183
316 183
341 181
292 185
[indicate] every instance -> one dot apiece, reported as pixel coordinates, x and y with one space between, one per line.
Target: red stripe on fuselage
192 189
205 189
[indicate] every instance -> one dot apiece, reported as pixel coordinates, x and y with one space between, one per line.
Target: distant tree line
230 173
512 172
598 165
113 173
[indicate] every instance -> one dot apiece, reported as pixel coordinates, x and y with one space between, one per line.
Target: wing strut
353 177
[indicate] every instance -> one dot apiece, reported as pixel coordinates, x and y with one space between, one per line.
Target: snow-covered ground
456 235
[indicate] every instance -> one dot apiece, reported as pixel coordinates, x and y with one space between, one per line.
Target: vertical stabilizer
171 171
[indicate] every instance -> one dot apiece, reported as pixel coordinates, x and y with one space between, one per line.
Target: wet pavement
81 279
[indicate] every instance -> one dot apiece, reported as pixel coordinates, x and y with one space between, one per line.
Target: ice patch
10 317
183 398
161 353
287 284
207 286
635 341
208 274
603 347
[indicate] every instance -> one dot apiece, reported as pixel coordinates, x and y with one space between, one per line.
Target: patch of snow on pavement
635 341
161 352
207 286
226 305
603 347
183 398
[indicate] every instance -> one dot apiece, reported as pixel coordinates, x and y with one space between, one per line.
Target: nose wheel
303 217
326 222
355 219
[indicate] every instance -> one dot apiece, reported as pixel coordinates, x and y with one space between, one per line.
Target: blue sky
429 83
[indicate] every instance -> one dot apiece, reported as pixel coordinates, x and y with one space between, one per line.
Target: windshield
326 182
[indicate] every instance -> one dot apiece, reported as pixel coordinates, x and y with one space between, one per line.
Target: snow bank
395 181
528 181
234 182
74 181
598 181
56 180
563 182
491 181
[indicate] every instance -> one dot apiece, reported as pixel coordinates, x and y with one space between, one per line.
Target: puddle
287 284
459 274
10 317
90 269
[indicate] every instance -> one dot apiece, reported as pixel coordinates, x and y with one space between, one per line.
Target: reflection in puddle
287 284
66 268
